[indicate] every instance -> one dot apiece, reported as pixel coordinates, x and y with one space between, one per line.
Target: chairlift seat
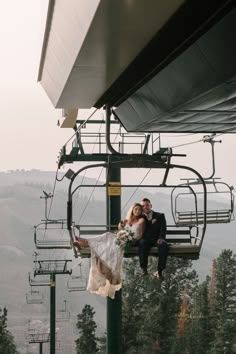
181 244
175 250
185 218
53 244
40 282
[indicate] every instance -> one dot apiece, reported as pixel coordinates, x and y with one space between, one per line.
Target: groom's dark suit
154 235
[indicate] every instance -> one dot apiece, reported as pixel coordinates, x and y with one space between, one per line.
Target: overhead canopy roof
166 66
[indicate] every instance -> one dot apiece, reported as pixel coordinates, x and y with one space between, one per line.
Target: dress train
105 276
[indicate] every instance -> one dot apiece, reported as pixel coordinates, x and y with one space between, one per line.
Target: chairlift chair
217 191
62 314
77 282
52 235
34 297
187 206
184 242
40 281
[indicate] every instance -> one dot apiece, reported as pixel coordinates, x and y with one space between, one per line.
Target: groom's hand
160 241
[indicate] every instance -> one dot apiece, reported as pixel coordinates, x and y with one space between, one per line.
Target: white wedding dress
105 275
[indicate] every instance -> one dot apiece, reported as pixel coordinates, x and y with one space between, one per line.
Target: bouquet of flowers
125 236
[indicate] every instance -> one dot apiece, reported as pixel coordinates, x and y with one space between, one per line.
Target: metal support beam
114 307
53 314
52 267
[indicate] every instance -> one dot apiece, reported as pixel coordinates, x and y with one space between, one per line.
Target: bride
105 276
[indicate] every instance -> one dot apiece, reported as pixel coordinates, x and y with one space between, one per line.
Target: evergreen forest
179 315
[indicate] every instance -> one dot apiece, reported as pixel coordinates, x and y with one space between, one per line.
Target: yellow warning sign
114 189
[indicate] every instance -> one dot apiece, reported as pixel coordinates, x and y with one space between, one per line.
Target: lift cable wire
50 206
57 170
81 126
53 191
136 189
177 135
91 194
216 135
191 143
194 142
51 254
56 177
92 150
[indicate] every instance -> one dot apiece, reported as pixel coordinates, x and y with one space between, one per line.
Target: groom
154 235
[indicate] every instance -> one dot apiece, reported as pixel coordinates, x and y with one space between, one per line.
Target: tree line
7 345
180 315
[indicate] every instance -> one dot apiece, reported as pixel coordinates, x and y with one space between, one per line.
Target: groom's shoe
144 271
160 275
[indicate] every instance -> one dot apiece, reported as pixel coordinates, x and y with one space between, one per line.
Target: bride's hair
129 215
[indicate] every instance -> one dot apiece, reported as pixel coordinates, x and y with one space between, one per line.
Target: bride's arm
142 227
121 224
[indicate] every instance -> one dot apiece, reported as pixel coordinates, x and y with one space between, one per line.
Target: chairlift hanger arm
46 196
210 139
167 169
108 131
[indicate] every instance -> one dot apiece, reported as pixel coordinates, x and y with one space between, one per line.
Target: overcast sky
30 137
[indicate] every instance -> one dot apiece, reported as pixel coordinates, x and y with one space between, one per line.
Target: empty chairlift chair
77 282
52 235
187 206
62 314
34 297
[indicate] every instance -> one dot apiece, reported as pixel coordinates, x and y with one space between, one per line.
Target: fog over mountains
22 208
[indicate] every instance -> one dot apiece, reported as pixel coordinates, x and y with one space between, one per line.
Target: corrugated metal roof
164 66
195 93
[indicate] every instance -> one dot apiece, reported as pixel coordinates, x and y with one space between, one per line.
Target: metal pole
52 313
114 307
41 348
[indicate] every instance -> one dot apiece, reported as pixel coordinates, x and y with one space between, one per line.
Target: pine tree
150 308
7 345
183 316
225 303
87 341
135 294
212 289
198 334
102 343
